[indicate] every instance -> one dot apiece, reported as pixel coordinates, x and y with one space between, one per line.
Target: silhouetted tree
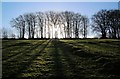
4 33
85 22
54 20
40 19
19 24
77 25
107 22
28 26
33 24
100 22
47 24
67 16
22 20
114 23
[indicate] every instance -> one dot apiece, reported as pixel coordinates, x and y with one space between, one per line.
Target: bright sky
14 9
60 0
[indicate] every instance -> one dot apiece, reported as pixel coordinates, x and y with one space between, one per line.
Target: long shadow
97 57
16 44
14 61
5 44
86 54
78 51
103 44
21 52
72 64
6 53
58 74
21 66
103 62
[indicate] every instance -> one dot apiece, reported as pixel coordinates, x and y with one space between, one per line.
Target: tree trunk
23 30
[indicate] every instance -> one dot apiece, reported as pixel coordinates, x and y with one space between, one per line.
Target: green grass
65 59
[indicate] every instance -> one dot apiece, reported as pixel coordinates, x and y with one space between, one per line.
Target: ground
61 59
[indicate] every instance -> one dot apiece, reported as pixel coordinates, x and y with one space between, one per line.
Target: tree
54 20
114 23
67 16
49 24
33 24
107 22
40 20
22 22
45 27
4 33
28 26
85 22
19 24
77 24
100 22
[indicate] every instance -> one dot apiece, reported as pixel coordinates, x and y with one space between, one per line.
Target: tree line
107 22
68 24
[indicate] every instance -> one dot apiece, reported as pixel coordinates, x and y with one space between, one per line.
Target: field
63 59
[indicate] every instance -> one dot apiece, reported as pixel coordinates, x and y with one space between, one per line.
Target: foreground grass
65 59
101 58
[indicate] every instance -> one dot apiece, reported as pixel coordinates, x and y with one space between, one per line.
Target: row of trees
107 22
66 24
51 25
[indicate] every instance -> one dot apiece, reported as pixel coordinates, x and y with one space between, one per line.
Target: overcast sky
14 9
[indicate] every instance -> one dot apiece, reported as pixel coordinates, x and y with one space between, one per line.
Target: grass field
63 59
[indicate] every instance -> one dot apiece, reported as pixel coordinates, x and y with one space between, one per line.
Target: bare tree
85 22
100 22
15 23
54 20
28 26
107 22
40 19
19 24
50 24
114 23
4 33
77 24
22 25
33 24
67 17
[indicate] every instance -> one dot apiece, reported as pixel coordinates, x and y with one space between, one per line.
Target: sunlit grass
97 45
51 59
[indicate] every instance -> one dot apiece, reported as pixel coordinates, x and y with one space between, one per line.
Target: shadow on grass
19 53
17 44
58 67
77 51
66 63
72 68
107 66
17 67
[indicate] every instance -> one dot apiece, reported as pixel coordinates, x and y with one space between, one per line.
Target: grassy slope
102 56
65 59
